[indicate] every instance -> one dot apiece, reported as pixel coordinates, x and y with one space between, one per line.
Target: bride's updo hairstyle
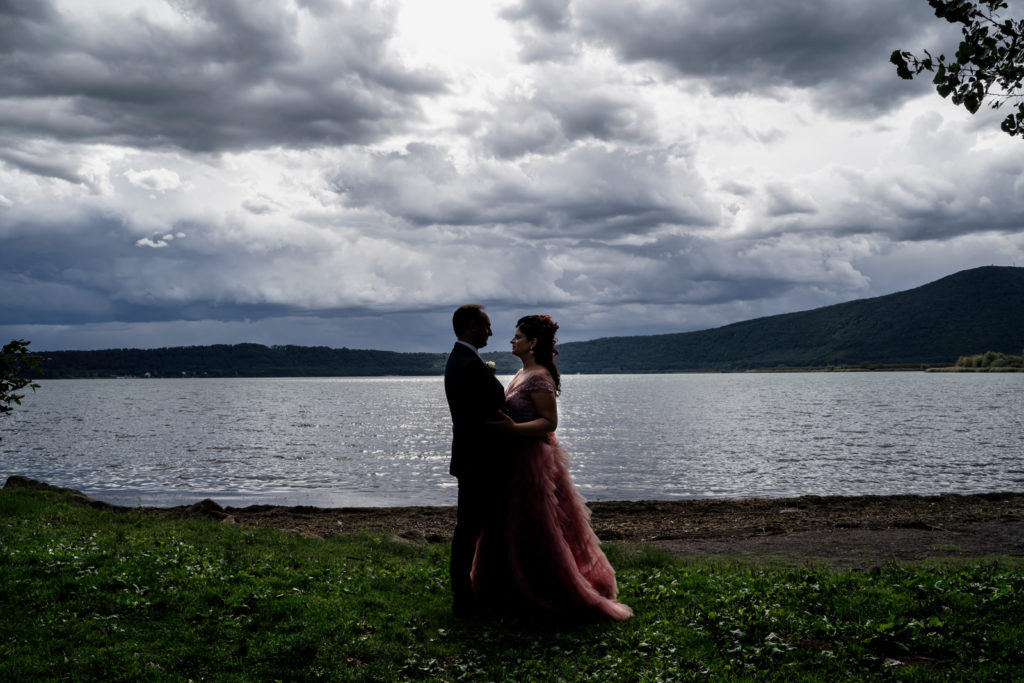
543 328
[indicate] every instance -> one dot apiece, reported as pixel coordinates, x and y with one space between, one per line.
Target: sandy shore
849 531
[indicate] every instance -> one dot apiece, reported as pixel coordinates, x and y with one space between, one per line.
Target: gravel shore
844 531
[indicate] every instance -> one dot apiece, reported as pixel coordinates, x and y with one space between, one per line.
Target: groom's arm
479 395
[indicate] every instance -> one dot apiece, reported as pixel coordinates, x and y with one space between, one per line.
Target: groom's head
472 325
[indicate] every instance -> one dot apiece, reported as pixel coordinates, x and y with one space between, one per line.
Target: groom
475 397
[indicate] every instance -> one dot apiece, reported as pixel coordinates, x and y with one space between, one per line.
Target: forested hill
239 360
970 312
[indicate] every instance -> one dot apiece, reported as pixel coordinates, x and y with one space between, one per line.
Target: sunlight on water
384 441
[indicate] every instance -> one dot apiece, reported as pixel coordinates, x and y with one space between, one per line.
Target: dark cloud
226 75
43 160
87 271
102 274
597 116
543 28
675 268
50 273
835 48
587 190
521 128
561 112
99 269
784 200
548 15
944 190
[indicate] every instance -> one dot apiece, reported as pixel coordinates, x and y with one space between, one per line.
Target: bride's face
521 345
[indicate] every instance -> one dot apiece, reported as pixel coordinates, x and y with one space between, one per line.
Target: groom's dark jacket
475 396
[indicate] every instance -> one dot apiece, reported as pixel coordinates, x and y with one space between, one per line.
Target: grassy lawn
90 594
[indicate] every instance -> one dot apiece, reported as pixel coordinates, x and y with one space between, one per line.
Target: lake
338 442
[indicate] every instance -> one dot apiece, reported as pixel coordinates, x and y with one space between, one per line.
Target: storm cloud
345 173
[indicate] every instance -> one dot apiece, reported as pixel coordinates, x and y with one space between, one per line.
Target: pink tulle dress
543 555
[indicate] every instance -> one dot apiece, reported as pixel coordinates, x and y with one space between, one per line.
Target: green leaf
902 70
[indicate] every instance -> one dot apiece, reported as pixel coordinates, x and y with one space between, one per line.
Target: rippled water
384 441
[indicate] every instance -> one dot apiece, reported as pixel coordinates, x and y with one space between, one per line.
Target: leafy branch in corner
15 362
988 65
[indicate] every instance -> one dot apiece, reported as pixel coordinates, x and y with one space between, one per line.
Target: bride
541 554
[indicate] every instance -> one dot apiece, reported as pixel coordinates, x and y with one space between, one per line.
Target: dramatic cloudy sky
178 172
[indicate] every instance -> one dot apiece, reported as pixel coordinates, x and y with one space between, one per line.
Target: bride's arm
546 405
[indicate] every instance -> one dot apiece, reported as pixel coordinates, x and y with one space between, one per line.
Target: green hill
970 312
239 360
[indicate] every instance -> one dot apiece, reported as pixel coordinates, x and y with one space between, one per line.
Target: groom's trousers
478 503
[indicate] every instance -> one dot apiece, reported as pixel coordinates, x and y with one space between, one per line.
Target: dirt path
846 531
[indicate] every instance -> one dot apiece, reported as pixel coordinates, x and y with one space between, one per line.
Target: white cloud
157 179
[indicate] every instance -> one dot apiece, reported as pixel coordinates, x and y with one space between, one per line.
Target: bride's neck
529 363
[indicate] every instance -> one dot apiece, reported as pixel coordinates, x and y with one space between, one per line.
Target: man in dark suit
475 397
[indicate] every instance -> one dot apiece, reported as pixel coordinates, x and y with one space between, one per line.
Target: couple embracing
523 541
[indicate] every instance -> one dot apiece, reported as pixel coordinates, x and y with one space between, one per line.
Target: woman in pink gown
542 556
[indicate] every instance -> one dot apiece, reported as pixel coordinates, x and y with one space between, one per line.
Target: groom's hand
504 423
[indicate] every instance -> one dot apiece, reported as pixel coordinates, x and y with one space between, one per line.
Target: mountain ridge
972 311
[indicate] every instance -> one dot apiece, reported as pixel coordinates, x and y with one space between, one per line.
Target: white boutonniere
491 365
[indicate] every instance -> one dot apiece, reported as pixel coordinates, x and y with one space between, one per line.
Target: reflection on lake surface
384 441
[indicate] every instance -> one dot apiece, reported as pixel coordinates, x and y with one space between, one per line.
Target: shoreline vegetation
104 593
891 368
1007 363
990 361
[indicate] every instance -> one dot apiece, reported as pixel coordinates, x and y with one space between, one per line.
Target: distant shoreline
959 369
770 370
886 368
763 371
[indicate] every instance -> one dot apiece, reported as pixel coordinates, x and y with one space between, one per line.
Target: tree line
241 360
991 360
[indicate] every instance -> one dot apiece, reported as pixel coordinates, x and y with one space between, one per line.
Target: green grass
90 594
